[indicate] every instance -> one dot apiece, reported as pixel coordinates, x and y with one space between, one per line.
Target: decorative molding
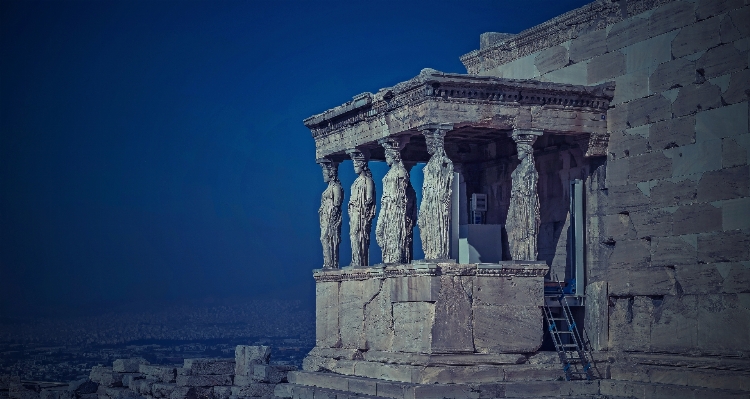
503 269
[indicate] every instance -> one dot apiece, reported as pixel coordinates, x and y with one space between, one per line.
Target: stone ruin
602 156
247 375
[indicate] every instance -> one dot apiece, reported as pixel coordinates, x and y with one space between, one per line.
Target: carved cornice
503 269
594 16
432 85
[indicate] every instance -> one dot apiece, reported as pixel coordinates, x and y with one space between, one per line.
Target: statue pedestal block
471 314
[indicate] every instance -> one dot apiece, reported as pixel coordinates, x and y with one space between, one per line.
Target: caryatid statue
523 220
361 208
396 220
330 213
435 210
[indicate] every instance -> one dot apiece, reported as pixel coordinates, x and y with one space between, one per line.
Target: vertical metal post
577 222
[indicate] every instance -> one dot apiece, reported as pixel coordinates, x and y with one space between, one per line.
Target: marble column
435 209
361 208
523 220
396 220
330 213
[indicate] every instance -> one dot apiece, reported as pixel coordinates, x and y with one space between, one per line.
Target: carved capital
524 136
358 154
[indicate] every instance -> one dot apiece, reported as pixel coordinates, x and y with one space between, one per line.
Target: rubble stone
166 374
254 390
128 365
247 356
204 380
209 366
105 376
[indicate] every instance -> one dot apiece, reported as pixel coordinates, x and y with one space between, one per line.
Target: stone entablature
502 269
594 16
460 101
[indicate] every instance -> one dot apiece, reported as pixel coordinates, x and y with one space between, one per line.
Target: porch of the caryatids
523 219
397 206
435 209
361 207
330 213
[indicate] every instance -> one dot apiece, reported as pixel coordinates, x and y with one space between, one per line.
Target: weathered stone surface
672 133
434 216
617 172
640 280
721 60
631 253
626 198
676 327
588 45
723 310
695 158
650 166
327 314
710 8
164 374
649 110
209 366
143 387
739 87
649 53
727 246
670 251
729 121
204 380
694 98
724 184
736 214
739 18
630 323
738 279
597 315
273 374
452 328
379 316
129 379
128 365
699 279
247 356
105 376
162 389
618 227
82 386
493 323
696 218
667 193
412 326
631 86
652 222
508 291
221 392
551 59
56 393
627 32
329 213
672 74
254 390
617 118
671 16
415 289
697 37
606 66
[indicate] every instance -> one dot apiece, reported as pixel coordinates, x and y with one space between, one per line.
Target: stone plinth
475 310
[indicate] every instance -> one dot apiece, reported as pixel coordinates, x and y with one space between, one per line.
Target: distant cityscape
65 349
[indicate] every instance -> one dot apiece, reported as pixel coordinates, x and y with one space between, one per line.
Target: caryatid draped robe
435 210
361 212
523 214
396 221
330 223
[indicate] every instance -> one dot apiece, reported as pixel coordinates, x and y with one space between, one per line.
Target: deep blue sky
154 151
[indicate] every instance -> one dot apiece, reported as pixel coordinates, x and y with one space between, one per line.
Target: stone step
305 385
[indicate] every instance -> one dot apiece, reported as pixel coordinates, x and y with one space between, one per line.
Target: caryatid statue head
434 140
524 141
393 147
359 157
330 169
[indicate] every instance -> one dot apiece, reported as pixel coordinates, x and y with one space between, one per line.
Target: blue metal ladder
575 355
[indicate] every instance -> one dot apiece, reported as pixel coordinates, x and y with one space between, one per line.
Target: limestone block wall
673 198
425 309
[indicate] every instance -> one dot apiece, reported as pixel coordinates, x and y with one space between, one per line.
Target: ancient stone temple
584 215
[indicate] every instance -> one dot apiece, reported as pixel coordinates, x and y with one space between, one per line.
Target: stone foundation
462 314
